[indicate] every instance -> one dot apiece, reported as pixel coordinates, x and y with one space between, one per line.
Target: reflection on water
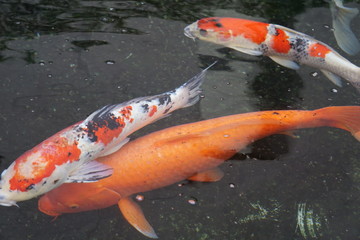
308 223
60 60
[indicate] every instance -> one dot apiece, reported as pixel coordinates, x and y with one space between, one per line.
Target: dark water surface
61 60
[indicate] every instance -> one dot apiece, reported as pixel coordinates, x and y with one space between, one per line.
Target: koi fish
285 46
190 151
341 18
67 156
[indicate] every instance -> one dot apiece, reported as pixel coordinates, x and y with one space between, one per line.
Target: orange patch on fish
153 110
55 152
280 42
318 50
112 127
254 31
106 135
126 112
224 36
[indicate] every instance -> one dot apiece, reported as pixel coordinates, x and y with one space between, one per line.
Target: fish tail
341 18
344 117
191 88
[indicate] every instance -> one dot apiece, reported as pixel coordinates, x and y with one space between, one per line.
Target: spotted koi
285 46
68 156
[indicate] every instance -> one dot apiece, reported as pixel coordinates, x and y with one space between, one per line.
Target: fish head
236 33
209 29
63 200
77 197
50 207
28 177
68 198
10 194
6 200
8 197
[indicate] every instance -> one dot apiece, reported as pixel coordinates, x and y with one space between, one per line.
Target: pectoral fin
90 172
135 216
332 77
285 62
211 175
252 52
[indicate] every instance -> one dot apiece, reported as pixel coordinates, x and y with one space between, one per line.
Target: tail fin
341 18
344 117
192 87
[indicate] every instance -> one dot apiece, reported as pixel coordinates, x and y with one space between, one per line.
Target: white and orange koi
285 46
67 156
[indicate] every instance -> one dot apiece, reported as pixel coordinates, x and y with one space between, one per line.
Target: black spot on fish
103 118
145 107
167 110
23 180
263 48
218 25
276 32
214 20
69 154
31 186
276 113
203 32
300 46
44 183
79 129
92 136
74 206
164 99
55 181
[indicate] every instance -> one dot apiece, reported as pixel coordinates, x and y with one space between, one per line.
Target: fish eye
203 32
74 206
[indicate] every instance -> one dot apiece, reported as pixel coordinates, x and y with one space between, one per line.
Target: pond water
61 60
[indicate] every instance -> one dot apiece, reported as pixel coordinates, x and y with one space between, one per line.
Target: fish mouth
50 213
7 203
187 32
44 205
4 197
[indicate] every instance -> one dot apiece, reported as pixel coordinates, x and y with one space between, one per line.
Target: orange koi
68 155
190 151
285 46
